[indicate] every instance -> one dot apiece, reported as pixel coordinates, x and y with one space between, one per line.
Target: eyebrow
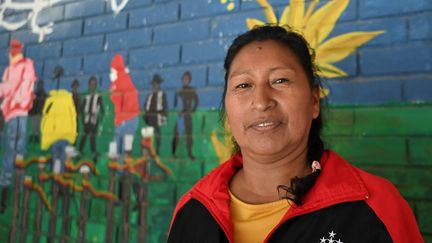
247 71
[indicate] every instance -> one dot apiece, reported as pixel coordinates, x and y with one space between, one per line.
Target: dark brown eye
280 81
242 86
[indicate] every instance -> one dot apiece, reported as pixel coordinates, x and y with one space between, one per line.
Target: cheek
233 114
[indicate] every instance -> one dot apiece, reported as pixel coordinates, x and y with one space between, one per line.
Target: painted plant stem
38 216
126 202
16 200
109 227
24 215
83 212
53 218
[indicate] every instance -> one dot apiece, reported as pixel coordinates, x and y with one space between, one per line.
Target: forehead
266 51
265 55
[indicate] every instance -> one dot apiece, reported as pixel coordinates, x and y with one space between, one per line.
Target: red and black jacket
346 204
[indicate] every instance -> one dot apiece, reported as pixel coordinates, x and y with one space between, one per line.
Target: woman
281 185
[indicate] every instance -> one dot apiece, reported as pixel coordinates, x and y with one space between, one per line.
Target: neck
15 58
257 181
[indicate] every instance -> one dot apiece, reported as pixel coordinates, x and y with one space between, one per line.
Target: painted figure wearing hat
124 96
156 108
16 89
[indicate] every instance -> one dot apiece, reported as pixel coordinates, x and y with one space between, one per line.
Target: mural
156 108
33 9
93 111
17 93
315 26
35 113
117 8
112 139
229 4
188 99
124 96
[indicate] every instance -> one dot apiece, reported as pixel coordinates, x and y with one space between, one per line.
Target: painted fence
378 116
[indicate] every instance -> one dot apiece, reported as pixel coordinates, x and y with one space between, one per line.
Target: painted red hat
15 47
118 62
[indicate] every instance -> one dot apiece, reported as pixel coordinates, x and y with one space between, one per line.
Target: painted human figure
156 109
16 89
1 125
92 110
189 100
59 126
36 112
1 128
77 100
124 96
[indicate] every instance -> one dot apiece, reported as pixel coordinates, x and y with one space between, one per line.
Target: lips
265 124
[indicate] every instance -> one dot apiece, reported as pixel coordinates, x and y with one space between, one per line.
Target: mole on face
259 48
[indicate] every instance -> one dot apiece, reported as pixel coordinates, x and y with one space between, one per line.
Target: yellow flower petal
284 19
309 11
323 21
295 19
341 46
329 71
251 23
268 11
230 6
324 92
223 150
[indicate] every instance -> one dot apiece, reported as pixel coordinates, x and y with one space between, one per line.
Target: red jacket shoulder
389 205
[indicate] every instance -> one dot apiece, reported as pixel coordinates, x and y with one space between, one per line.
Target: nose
263 98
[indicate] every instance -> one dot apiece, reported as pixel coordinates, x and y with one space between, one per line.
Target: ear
316 102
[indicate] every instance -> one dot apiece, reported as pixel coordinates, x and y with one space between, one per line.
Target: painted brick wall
169 37
156 35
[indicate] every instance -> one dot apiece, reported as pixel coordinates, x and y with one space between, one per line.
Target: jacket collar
338 182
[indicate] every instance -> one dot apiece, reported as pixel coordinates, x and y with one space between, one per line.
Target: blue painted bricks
44 51
83 46
73 65
182 32
412 58
80 9
105 24
156 14
128 39
170 37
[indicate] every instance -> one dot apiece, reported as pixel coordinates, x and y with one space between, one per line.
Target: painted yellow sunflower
316 26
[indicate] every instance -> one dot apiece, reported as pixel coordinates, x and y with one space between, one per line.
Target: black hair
300 48
188 73
75 82
92 78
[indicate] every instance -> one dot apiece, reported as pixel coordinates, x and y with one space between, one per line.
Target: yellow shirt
253 222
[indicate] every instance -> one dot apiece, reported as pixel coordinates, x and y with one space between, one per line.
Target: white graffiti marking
118 8
34 8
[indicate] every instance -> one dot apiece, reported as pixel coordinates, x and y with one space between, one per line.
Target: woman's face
269 102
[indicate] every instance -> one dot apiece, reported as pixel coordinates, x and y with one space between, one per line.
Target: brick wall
381 109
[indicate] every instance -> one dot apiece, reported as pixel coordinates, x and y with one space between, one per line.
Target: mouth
265 125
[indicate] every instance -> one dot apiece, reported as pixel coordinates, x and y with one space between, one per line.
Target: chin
268 148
